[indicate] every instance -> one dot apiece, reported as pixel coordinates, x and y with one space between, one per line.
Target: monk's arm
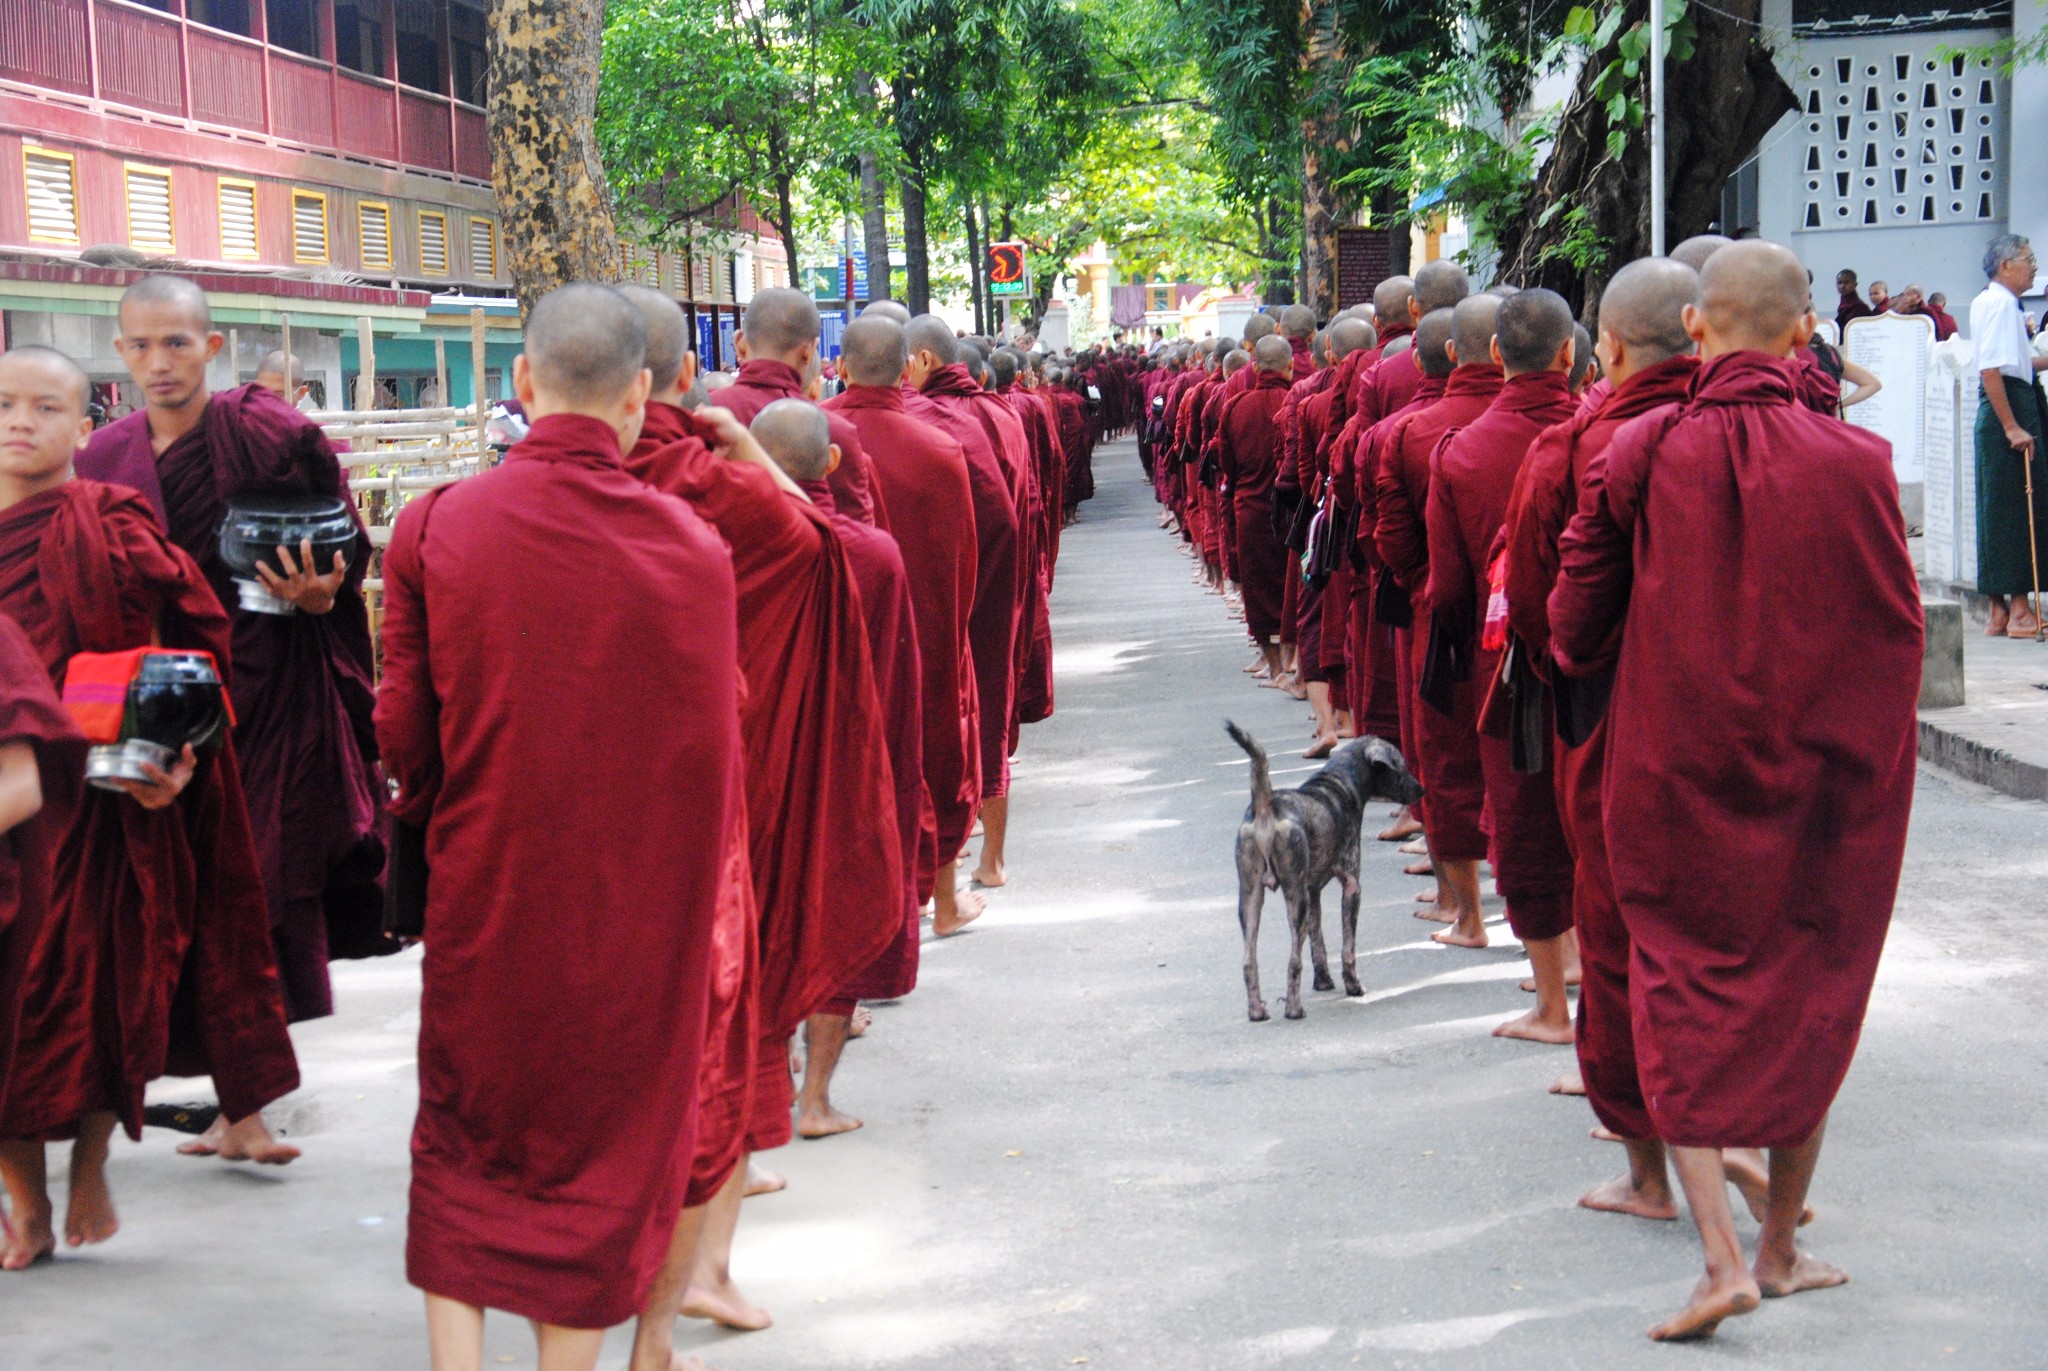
1596 568
1399 533
408 715
21 784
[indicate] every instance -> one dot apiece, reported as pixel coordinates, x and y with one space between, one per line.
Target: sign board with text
1895 349
1008 273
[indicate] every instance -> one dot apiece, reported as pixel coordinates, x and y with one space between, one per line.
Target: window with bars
309 228
373 233
149 207
237 219
483 248
52 180
433 243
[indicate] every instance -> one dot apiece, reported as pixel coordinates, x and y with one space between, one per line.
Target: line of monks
680 715
1581 602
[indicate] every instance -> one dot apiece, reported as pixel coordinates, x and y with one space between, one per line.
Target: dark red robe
1472 477
155 958
1389 692
303 683
1546 494
1760 756
759 383
537 617
1248 447
1446 743
922 474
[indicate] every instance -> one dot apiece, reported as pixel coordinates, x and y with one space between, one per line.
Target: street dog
1297 841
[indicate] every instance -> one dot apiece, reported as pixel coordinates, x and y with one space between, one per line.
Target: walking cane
2033 542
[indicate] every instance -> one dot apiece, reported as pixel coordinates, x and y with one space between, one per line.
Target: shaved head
886 309
585 344
971 358
798 436
930 333
1297 321
668 334
1257 327
1390 298
1644 306
1472 328
1002 365
1349 335
1753 294
1532 327
275 363
1582 355
1236 360
49 370
1440 285
1430 336
779 322
1695 250
873 352
1271 353
176 292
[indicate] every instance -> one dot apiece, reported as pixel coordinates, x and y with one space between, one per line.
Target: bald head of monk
977 365
1582 357
782 325
1348 336
1272 353
886 309
1432 342
1472 329
43 420
282 376
1642 316
669 359
1438 285
1532 331
586 353
166 339
1002 367
1259 326
1753 297
1297 321
929 341
873 351
1390 298
1695 250
1236 360
797 435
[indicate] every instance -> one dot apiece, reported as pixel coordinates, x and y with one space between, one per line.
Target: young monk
1472 474
303 692
1737 736
535 615
1248 449
155 897
1648 360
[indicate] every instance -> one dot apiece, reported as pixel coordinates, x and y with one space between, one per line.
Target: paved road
1078 1151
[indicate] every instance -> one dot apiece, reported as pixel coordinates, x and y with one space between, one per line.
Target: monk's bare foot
207 1143
1457 937
250 1141
824 1123
863 1019
1620 1196
28 1239
724 1305
1712 1301
1528 984
1602 1133
762 1181
89 1214
967 907
1400 831
989 875
1323 746
1294 689
1995 627
1417 869
1418 848
1570 1083
678 1362
1748 1174
1777 1279
1529 1027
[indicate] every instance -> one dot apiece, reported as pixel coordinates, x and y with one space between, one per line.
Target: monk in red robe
1248 447
1756 793
1034 702
1472 474
1447 707
796 435
949 399
1349 344
821 821
1646 355
302 678
154 957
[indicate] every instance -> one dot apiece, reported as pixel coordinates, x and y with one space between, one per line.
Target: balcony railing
126 56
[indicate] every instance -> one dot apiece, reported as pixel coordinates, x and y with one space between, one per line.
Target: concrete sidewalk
1999 736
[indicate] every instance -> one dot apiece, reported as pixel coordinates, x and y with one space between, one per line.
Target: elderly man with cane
2010 503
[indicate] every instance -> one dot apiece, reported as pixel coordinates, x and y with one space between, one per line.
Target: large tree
553 199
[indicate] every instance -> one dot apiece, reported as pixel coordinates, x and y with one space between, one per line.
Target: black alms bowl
257 525
176 699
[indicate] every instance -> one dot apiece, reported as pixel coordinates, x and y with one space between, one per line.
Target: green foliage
1622 83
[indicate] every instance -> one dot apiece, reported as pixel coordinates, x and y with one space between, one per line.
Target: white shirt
1998 333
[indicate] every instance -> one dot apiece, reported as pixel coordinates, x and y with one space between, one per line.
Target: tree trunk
1318 231
917 267
1388 210
1323 136
785 203
1719 104
1279 274
874 225
974 265
553 199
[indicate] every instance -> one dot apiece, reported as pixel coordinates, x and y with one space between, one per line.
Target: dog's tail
1262 780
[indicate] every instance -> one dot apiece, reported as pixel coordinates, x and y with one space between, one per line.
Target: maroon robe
303 683
1470 481
878 574
1446 744
922 474
554 628
1001 568
1546 493
154 957
1388 691
1248 447
1077 439
1760 757
820 797
759 383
